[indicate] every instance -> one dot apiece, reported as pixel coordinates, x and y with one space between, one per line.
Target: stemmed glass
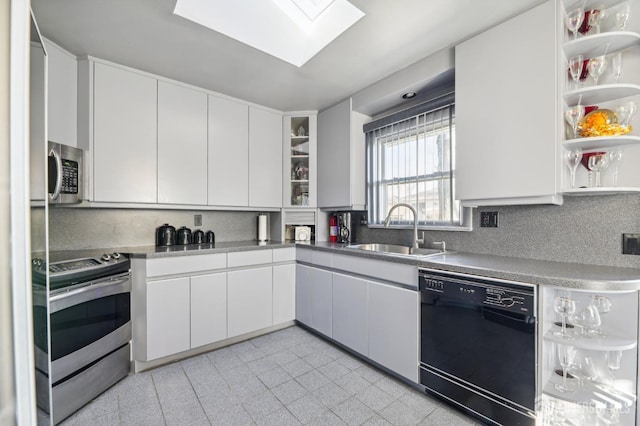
584 370
598 163
590 320
625 112
572 159
564 306
616 66
615 157
595 18
622 16
613 362
596 67
573 20
573 115
566 355
576 65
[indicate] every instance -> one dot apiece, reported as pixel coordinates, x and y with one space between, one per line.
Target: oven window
80 325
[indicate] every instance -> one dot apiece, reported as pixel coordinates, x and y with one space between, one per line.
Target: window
411 161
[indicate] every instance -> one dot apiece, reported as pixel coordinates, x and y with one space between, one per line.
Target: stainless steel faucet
416 241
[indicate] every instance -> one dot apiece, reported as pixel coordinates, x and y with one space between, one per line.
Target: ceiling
145 34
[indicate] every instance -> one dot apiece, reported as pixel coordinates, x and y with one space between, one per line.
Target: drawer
249 258
284 255
321 258
378 269
185 264
304 254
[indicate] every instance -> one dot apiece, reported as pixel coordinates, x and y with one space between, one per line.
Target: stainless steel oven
478 345
89 320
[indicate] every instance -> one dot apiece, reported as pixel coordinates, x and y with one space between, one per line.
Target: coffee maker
345 228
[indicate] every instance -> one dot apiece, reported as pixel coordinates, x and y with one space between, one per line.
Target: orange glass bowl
601 122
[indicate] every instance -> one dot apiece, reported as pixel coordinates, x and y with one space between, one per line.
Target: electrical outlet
197 220
630 243
488 219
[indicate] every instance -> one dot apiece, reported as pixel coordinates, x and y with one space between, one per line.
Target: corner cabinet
341 158
299 159
507 125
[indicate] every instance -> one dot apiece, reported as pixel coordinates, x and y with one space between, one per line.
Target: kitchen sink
395 249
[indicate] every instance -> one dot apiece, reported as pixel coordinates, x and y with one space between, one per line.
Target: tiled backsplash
582 230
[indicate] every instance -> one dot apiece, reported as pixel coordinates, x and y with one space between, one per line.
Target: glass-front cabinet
589 357
300 159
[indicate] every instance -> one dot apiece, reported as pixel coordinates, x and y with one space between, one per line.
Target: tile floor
289 377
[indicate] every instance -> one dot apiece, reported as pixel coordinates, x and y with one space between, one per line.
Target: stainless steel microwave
64 174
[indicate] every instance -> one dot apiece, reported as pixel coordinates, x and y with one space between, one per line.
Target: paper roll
262 227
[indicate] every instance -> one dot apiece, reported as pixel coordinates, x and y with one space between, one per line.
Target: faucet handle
442 243
421 239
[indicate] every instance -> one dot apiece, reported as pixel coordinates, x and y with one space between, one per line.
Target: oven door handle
97 290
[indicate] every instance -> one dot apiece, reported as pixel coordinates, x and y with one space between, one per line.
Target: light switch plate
488 219
631 244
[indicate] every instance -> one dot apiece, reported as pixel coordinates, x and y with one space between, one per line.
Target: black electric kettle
198 236
165 235
211 237
184 236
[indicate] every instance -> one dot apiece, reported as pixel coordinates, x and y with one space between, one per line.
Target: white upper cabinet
507 100
341 158
124 136
265 158
62 95
228 153
182 145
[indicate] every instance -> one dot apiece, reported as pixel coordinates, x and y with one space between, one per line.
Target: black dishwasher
478 345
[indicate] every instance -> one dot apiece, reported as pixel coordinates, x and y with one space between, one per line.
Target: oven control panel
69 272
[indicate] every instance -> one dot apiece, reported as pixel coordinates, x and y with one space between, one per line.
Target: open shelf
603 93
601 142
590 391
594 45
607 342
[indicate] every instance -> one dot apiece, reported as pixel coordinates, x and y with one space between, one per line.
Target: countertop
540 272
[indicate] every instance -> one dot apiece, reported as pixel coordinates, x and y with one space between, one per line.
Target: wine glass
576 65
622 16
590 320
625 112
572 158
573 20
598 163
573 115
613 363
615 157
564 306
584 370
566 355
597 66
595 18
616 66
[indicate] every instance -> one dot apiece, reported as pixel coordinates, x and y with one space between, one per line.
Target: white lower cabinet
350 322
168 318
208 309
314 298
250 299
303 294
393 328
284 293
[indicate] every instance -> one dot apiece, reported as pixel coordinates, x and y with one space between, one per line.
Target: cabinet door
62 95
321 301
341 158
250 300
182 145
168 329
393 328
265 158
284 293
208 309
228 153
125 136
303 294
506 110
350 312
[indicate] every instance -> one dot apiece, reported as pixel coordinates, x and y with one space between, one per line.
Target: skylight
291 30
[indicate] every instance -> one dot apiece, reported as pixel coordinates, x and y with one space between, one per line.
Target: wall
83 228
584 230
